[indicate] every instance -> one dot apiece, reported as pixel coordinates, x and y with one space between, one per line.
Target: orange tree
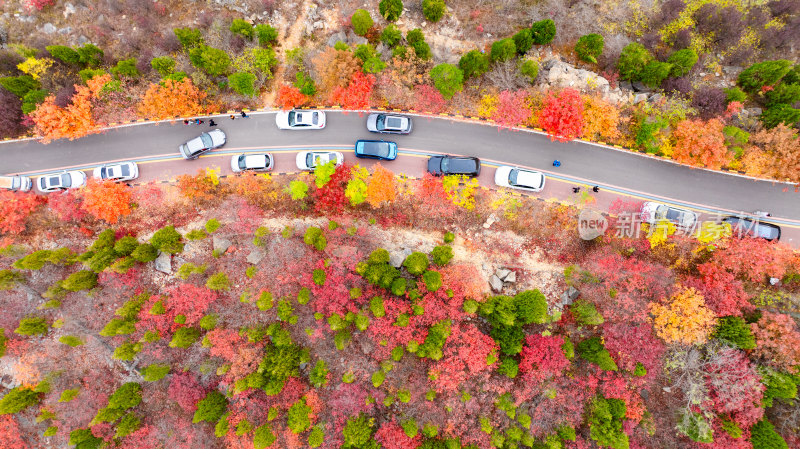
684 319
700 143
72 121
106 200
357 93
601 118
289 97
781 147
382 187
170 99
562 115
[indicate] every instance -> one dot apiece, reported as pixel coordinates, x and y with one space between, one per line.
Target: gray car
15 183
203 143
388 123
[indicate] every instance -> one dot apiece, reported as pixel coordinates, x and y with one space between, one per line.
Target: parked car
309 160
454 165
653 212
746 227
388 123
202 144
123 171
298 119
16 183
518 178
252 162
61 181
376 149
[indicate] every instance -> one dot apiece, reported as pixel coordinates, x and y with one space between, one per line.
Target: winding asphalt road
615 170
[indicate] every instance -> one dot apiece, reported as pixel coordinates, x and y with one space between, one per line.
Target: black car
454 165
745 227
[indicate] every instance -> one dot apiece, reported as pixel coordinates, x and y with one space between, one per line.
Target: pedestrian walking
199 122
186 122
556 163
576 189
212 122
233 117
244 115
596 189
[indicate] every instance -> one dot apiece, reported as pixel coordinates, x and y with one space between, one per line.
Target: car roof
255 160
396 122
7 182
761 229
195 145
375 147
304 117
529 178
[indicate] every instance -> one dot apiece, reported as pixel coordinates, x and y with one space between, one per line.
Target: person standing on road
212 122
244 115
186 122
596 189
233 117
556 163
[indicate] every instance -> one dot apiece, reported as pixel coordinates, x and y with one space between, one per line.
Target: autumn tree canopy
561 115
700 143
72 121
106 200
169 99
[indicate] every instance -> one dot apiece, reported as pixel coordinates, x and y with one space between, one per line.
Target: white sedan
297 119
123 171
518 178
252 162
309 160
654 212
61 181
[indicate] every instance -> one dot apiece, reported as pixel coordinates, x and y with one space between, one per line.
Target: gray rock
396 258
221 244
562 74
655 98
638 86
495 283
625 85
548 64
639 98
502 273
65 30
511 278
569 295
732 70
82 40
336 37
256 256
69 8
490 221
163 263
754 112
49 28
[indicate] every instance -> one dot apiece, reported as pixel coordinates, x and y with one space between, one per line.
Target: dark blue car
376 149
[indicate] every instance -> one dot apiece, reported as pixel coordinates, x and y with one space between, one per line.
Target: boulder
495 283
638 86
163 263
69 8
489 221
655 98
639 98
220 244
256 256
336 37
49 28
625 84
396 258
511 278
562 74
502 273
569 296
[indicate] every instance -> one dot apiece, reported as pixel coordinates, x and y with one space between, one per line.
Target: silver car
309 160
298 119
252 162
123 171
655 212
16 183
60 181
203 143
518 178
388 123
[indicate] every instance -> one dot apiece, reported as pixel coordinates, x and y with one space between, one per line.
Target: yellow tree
684 319
382 187
170 99
601 119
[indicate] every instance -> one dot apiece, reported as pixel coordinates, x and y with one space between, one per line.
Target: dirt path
289 41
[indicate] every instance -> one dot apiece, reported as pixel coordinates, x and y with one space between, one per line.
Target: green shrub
265 34
318 376
9 279
442 255
71 340
126 245
655 72
125 397
167 240
361 22
430 430
376 307
211 408
319 276
364 52
68 395
783 94
782 113
341 46
164 65
733 330
33 99
605 422
434 342
263 437
391 9
184 337
586 313
422 50
531 307
764 436
125 67
81 280
84 439
101 259
735 94
243 83
543 31
448 79
503 50
416 263
473 63
314 237
361 322
90 54
154 372
509 367
765 73
682 62
589 47
530 69
632 61
410 427
357 432
211 60
592 350
523 40
414 36
32 326
218 281
316 437
433 280
640 370
391 35
19 85
212 225
18 399
64 53
297 416
188 37
399 286
779 385
433 10
145 253
242 28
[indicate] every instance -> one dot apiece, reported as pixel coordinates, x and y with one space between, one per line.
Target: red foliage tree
629 345
542 357
433 198
15 207
391 436
428 99
289 97
777 341
145 437
66 205
723 293
466 355
357 93
562 115
185 299
330 198
512 108
754 259
106 200
10 433
701 143
186 391
39 4
735 388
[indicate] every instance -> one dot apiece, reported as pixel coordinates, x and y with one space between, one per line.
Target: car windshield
65 180
310 160
674 215
512 177
379 122
206 138
242 164
291 118
445 164
315 118
104 172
